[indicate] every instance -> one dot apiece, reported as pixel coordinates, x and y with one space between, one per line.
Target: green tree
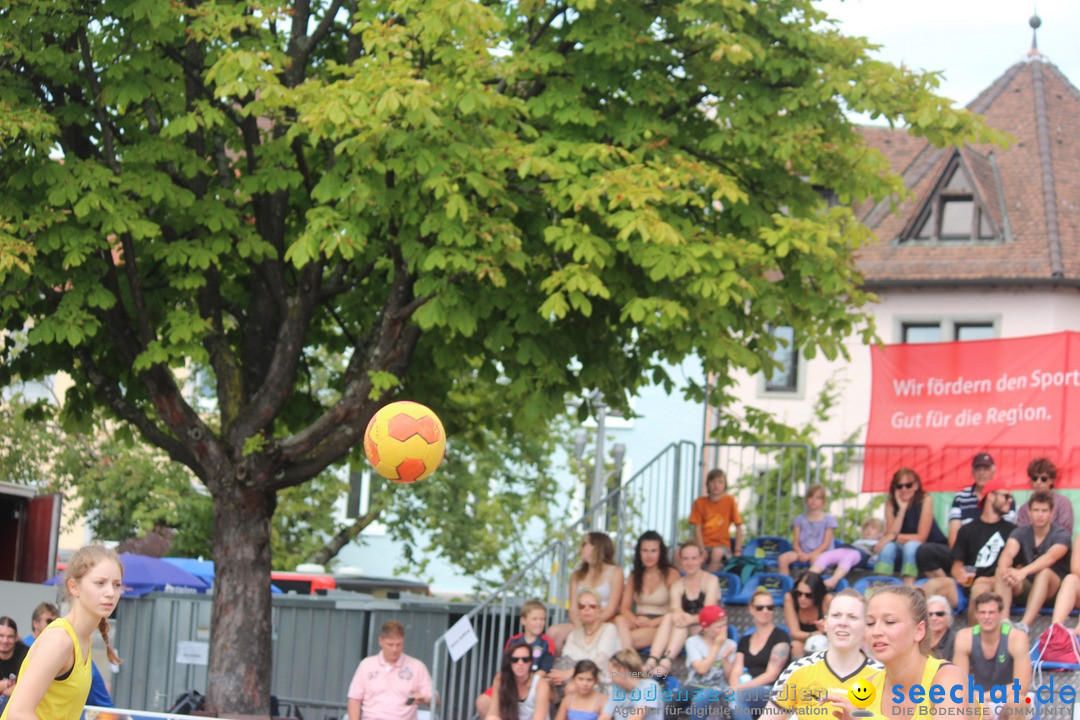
780 490
531 197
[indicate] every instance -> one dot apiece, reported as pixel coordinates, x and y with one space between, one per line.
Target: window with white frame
787 379
946 329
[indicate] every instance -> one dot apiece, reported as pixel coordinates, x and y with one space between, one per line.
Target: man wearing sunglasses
1034 561
978 546
1042 474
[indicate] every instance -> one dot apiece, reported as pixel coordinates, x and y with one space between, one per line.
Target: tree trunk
240 653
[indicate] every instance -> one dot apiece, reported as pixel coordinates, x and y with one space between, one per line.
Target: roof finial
1035 21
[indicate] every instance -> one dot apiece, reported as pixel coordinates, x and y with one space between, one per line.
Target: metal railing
651 499
458 683
768 481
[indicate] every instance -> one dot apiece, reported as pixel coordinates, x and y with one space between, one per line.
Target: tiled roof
1031 190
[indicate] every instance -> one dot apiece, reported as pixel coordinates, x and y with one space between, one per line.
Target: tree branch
99 111
131 271
125 410
333 434
337 282
559 10
302 166
281 371
346 535
301 45
230 378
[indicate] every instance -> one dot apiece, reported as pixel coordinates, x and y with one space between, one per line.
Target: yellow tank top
64 699
925 708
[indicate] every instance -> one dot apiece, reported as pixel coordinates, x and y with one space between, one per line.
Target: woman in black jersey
760 658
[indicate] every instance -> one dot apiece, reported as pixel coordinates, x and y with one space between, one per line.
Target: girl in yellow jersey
897 622
799 690
55 676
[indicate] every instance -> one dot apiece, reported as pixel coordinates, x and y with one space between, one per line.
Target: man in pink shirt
390 685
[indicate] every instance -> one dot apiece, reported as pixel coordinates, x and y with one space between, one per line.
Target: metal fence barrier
652 499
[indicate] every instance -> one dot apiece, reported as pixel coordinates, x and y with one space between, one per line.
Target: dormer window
953 214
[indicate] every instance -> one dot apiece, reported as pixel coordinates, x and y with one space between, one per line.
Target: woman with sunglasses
646 592
909 522
897 635
805 681
598 573
520 692
804 610
592 640
761 654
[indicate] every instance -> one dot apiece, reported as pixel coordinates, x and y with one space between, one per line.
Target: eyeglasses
585 606
1006 495
519 659
800 593
938 613
1040 478
905 486
764 607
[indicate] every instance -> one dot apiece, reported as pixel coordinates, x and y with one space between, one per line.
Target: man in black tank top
994 652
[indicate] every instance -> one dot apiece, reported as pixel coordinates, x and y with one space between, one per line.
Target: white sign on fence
460 638
192 652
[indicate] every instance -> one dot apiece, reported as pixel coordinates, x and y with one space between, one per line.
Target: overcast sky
972 42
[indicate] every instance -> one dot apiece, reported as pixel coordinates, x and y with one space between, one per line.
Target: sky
973 42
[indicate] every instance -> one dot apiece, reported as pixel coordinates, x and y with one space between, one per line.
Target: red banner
934 406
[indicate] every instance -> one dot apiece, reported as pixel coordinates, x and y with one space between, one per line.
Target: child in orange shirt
712 516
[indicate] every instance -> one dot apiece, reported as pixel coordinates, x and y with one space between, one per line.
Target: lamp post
599 486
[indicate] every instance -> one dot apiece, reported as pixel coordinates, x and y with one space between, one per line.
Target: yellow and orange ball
405 441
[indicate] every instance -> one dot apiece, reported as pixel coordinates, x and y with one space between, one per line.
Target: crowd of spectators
624 634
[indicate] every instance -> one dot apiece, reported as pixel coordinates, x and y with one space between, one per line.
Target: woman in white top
592 640
598 573
520 693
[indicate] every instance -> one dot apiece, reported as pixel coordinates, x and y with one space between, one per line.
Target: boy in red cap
710 654
709 657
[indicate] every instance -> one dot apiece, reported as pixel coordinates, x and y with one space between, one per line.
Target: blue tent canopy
203 569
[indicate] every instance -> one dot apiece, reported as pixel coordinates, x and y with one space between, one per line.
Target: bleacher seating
750 629
775 583
767 548
730 584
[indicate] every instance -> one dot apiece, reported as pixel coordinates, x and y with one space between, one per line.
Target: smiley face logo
861 693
